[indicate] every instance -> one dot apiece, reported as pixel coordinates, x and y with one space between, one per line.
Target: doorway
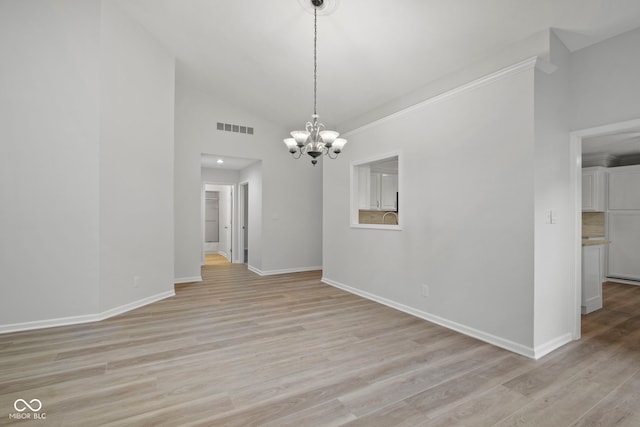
217 217
211 221
575 158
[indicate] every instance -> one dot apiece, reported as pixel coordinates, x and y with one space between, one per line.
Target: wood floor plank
330 414
486 409
288 350
383 393
16 385
451 391
282 407
562 407
619 408
562 365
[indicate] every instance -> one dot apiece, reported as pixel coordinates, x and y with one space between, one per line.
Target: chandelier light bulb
291 145
300 136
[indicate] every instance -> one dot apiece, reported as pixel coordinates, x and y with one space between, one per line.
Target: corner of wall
553 203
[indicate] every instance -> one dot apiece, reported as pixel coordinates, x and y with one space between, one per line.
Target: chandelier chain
315 60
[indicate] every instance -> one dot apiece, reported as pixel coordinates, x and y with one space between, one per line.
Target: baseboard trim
283 271
549 346
136 304
86 318
463 329
50 323
255 270
624 281
192 279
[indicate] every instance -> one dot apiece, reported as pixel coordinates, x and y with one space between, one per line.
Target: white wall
86 163
219 176
553 242
592 87
291 198
467 212
604 82
49 144
136 162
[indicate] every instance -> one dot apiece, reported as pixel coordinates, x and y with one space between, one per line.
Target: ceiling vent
228 127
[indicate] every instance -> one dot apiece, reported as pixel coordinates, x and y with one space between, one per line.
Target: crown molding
527 64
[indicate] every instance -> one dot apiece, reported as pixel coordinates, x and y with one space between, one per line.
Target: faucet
392 213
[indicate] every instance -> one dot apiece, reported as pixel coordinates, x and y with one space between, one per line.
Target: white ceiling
617 144
258 55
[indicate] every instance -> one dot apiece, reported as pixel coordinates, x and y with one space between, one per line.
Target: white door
225 223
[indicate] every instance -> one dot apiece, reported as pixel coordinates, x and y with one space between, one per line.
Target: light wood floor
215 260
244 350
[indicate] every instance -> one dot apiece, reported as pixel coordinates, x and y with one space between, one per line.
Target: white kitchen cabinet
383 188
623 229
374 191
592 265
388 191
593 189
624 188
623 223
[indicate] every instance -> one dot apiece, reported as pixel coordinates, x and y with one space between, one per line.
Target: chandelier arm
331 154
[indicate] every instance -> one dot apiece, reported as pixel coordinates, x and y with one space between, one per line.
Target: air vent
228 127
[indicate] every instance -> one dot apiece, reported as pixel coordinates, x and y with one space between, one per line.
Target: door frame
575 171
231 221
242 195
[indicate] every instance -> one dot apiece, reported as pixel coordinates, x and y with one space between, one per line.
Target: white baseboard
86 318
548 347
625 281
136 304
283 271
49 323
463 329
255 270
187 279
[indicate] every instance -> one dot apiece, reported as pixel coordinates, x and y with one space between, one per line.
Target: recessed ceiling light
220 161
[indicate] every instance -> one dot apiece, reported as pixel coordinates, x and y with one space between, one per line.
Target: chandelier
315 140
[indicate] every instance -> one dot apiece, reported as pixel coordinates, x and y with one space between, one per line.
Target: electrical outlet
425 290
550 216
136 281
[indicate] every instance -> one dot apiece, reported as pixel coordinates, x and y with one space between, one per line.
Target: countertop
595 242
